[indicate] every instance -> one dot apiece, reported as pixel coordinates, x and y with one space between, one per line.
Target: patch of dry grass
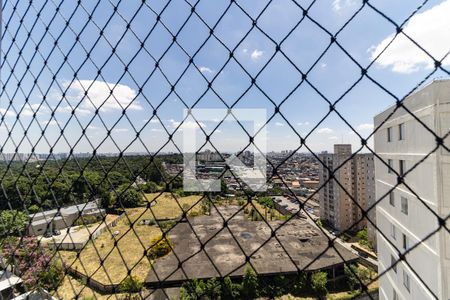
129 251
167 207
128 254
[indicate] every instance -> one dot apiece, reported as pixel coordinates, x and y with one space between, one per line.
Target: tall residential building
356 177
404 220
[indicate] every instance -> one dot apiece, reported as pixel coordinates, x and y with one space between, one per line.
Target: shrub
12 222
319 284
166 225
356 275
266 201
198 289
36 265
85 220
33 209
159 248
130 285
230 290
249 283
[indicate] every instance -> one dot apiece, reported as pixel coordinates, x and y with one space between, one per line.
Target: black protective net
92 199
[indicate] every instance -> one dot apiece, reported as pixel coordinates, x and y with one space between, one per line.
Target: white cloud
67 109
26 112
333 138
92 127
279 124
430 30
256 54
245 50
365 126
120 130
156 130
50 123
323 65
99 94
205 70
186 124
340 4
8 113
303 123
325 130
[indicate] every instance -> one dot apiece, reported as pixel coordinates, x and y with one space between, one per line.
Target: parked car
56 232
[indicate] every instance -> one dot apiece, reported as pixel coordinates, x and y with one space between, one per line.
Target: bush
166 225
319 284
198 289
33 209
266 201
36 265
85 220
160 247
249 283
12 222
356 275
230 290
130 285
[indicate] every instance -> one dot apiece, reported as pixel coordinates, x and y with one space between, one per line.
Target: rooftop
299 246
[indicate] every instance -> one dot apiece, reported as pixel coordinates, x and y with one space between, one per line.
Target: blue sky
398 69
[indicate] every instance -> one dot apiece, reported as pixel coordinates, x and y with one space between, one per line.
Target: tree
150 187
128 196
117 179
230 290
12 222
356 275
35 265
154 172
249 283
319 284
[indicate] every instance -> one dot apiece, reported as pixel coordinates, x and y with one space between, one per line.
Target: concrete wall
429 181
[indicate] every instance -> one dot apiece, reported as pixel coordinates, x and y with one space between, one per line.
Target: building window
404 205
393 232
401 131
389 134
405 242
406 280
402 166
392 199
389 166
394 266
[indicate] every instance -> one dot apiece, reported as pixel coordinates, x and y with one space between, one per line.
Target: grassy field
128 254
167 207
70 288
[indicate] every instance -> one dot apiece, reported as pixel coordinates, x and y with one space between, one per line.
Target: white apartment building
356 176
402 141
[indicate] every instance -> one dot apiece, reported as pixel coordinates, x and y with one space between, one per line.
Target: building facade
407 214
340 204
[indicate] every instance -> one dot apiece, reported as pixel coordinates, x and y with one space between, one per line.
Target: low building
48 221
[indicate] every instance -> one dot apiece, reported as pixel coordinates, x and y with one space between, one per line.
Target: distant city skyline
398 70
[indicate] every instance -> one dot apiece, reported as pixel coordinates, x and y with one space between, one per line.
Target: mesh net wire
50 47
